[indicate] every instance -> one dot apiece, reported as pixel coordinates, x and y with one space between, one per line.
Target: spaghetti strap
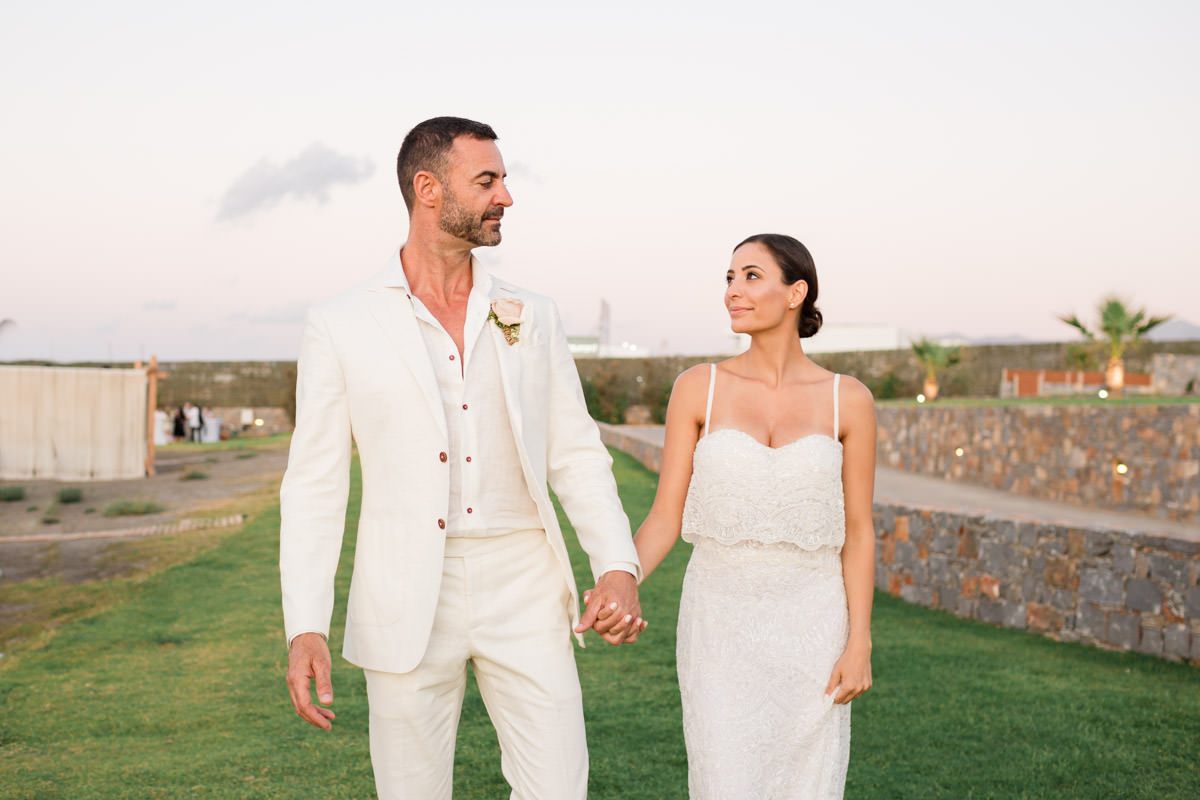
836 428
712 381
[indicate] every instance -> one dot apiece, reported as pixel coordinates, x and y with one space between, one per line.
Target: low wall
1101 587
1175 374
1068 453
1106 588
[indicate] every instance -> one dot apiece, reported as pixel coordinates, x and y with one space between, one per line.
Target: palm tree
1121 327
934 358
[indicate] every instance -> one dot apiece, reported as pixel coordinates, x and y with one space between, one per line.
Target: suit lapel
392 309
509 360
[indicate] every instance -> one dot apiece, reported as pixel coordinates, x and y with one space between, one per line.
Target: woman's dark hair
797 264
427 147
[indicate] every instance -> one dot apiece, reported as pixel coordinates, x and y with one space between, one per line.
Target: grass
11 494
194 475
69 494
239 443
52 514
130 508
171 685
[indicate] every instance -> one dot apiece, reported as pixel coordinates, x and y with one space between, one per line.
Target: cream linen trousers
503 608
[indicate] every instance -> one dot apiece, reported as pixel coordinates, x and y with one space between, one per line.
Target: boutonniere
506 313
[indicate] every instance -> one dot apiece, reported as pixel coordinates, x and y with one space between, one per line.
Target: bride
768 469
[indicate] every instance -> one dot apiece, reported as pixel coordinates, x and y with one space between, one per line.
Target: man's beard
458 221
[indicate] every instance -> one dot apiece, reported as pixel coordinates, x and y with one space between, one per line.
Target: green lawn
176 690
1064 400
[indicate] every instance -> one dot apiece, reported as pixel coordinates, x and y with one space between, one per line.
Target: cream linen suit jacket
364 371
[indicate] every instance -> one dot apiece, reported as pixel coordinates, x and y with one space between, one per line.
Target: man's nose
504 198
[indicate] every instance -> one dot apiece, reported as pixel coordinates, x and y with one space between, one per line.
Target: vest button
442 524
442 457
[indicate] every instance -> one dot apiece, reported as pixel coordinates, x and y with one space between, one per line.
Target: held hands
613 609
309 660
851 674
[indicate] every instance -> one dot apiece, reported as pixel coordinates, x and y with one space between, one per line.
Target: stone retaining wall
1106 588
1175 374
1069 454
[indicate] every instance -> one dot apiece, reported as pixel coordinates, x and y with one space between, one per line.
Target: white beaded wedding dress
763 618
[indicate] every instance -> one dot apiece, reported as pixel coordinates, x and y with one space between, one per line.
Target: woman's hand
851 674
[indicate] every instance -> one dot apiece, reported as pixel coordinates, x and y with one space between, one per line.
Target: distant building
847 338
591 347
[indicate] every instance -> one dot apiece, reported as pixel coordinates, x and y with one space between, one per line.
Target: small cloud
160 305
309 175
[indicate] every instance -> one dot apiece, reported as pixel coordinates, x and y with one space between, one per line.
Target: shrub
70 494
129 508
194 475
11 494
51 515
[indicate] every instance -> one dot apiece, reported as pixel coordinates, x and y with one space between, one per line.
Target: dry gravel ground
68 549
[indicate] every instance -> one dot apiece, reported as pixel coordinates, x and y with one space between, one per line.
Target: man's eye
486 184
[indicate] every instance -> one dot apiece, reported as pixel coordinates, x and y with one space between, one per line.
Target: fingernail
613 606
326 698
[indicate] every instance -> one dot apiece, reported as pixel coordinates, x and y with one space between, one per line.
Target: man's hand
613 608
309 660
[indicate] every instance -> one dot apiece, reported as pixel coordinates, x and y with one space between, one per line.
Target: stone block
1192 603
1122 559
1091 622
909 594
1097 544
1122 630
967 607
939 570
1143 595
944 542
1013 615
991 611
1151 642
1061 573
1101 586
1005 530
994 557
901 530
1176 640
1027 534
970 586
887 550
1194 654
989 586
1064 600
1171 570
1043 618
906 554
1141 566
948 599
968 543
926 596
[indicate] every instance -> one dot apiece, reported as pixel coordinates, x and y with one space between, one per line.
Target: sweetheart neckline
769 447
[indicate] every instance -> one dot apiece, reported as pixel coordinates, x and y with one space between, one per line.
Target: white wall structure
68 423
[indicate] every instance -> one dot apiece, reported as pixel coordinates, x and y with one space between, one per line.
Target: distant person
193 422
179 428
461 394
768 469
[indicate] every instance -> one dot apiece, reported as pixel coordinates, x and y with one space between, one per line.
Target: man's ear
427 189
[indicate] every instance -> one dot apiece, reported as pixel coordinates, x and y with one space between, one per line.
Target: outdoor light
920 398
958 451
1121 468
1103 394
258 422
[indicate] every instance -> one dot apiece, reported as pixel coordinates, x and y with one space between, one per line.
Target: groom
463 399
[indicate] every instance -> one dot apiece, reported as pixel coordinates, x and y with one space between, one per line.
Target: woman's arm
853 670
685 416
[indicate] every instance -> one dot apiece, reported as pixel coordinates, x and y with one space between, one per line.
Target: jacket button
442 524
442 457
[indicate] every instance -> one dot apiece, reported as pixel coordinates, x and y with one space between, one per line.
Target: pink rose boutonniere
506 313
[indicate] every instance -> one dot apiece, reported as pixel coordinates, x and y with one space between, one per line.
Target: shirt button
442 457
464 406
442 524
468 459
451 358
470 511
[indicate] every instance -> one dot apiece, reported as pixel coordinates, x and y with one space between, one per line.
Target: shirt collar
481 281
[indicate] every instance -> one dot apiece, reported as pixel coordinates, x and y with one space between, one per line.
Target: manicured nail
614 605
628 617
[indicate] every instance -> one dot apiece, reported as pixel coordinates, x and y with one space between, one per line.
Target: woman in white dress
768 469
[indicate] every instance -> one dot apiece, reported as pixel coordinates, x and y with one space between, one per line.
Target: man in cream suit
463 399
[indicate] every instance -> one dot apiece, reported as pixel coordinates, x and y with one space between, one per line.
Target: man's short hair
427 147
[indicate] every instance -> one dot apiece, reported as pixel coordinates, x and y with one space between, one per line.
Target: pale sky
184 180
